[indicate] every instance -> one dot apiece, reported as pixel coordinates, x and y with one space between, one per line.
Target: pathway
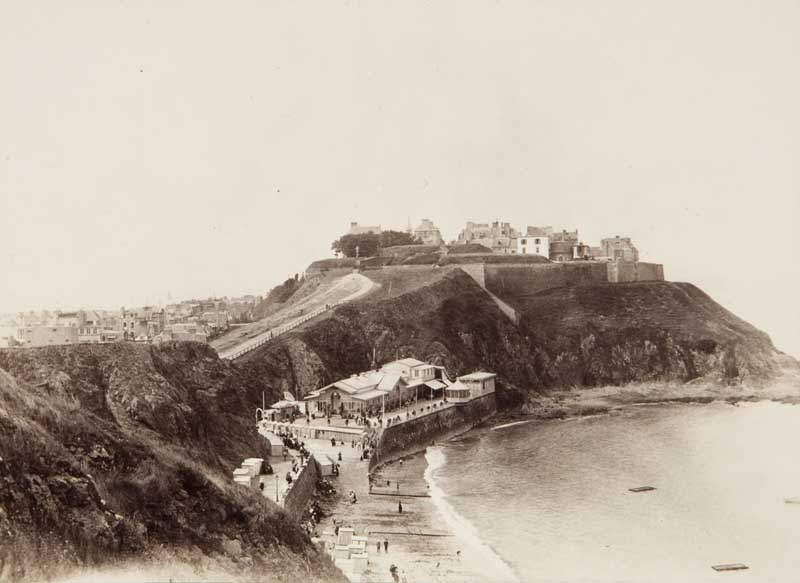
354 286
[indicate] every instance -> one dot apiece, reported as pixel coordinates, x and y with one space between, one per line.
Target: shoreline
437 558
580 402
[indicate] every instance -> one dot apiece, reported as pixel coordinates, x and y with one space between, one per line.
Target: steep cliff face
123 452
647 331
584 335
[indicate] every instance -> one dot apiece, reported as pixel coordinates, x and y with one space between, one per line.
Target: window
524 241
537 241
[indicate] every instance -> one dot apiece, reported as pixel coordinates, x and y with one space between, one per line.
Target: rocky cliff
581 335
116 453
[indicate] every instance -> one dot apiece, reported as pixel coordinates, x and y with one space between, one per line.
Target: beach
425 540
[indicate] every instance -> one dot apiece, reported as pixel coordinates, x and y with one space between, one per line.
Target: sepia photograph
369 291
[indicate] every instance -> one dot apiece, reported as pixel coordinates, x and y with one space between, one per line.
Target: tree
393 238
367 245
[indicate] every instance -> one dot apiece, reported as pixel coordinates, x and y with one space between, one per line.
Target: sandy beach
428 541
424 542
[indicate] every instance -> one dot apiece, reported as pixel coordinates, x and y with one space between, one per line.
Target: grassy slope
138 473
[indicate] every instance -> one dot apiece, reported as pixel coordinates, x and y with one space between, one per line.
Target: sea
549 501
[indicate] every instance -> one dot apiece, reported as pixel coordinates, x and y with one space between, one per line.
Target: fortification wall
415 435
628 271
621 272
406 268
303 489
511 280
650 272
477 271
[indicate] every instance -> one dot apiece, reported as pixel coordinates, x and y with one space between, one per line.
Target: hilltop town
502 238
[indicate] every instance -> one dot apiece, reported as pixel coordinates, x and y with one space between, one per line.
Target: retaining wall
650 272
628 271
303 488
513 280
415 435
477 271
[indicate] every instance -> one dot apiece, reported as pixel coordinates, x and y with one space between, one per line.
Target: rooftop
477 376
409 362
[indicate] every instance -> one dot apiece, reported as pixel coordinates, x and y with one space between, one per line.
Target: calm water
551 498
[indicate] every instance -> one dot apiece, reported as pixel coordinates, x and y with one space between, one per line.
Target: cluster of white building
503 238
394 384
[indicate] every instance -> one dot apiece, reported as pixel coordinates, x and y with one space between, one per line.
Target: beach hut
283 410
275 444
255 465
244 476
325 465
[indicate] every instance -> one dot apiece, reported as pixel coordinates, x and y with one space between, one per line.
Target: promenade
339 427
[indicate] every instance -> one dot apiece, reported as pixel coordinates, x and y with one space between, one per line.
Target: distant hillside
572 336
122 452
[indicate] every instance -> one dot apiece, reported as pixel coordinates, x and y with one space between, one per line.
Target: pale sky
197 148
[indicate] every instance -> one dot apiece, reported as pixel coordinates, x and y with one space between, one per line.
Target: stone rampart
516 280
650 271
630 271
477 271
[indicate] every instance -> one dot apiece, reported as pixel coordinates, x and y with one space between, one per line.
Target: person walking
378 547
385 545
399 506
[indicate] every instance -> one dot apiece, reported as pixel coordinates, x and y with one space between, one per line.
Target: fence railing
271 335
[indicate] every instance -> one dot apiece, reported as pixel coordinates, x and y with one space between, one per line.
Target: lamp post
276 488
